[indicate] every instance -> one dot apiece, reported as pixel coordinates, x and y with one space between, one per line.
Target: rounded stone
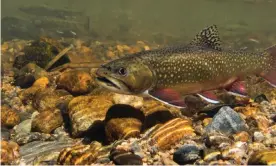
9 117
226 121
123 121
121 157
47 121
76 82
187 154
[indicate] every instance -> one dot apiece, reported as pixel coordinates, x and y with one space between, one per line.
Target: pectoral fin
209 96
168 96
238 88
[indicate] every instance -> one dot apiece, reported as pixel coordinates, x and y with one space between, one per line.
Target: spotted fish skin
169 73
195 69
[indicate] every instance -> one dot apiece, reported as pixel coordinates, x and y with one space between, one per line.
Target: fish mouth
112 84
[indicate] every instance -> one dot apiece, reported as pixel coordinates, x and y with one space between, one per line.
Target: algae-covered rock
9 117
50 98
40 53
53 119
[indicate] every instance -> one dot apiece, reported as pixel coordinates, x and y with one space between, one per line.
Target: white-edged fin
147 93
208 99
236 94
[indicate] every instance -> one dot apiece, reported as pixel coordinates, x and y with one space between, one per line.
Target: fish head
127 75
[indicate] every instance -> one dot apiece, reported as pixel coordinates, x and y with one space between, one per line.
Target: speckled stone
187 154
226 121
9 152
9 117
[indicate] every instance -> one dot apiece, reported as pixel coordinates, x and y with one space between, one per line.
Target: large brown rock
85 111
76 82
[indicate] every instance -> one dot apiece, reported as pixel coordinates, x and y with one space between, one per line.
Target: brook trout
170 73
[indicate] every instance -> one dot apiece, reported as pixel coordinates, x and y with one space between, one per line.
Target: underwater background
54 112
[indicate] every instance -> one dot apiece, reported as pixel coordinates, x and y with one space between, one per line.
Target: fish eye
122 71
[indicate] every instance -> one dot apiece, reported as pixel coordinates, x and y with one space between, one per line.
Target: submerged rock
82 154
9 152
40 152
50 99
9 117
52 117
226 121
27 75
86 111
123 122
76 82
187 154
171 132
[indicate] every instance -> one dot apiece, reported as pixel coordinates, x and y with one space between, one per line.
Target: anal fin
168 96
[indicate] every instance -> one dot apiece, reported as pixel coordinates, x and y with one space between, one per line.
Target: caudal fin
270 76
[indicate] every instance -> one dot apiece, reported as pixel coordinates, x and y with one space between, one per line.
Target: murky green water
161 21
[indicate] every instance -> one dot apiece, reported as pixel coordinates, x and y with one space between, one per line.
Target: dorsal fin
208 37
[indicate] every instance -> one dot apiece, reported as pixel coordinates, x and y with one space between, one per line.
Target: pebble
76 82
241 136
125 158
187 154
226 121
258 136
52 117
9 117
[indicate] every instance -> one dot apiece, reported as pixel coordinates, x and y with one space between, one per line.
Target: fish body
170 73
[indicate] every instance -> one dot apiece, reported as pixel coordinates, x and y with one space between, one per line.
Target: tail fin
270 76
